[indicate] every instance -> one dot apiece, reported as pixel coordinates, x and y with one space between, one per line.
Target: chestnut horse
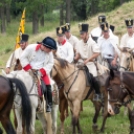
76 91
8 88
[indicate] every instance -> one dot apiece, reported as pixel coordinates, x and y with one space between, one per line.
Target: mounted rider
130 33
108 47
64 48
97 32
14 59
38 57
87 52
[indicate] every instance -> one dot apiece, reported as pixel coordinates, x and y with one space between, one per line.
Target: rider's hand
7 70
113 62
85 62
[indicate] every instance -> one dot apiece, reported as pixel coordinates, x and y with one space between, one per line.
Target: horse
54 107
63 104
34 98
8 89
126 60
119 86
76 91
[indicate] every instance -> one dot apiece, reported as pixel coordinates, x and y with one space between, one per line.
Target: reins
68 90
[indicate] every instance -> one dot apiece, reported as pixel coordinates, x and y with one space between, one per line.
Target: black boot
48 98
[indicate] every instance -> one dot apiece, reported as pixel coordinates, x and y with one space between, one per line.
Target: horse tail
26 105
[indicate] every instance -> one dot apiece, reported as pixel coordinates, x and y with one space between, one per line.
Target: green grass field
118 124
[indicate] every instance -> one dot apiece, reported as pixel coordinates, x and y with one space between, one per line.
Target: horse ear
111 74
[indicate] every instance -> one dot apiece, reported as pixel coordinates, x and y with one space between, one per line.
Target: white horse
46 119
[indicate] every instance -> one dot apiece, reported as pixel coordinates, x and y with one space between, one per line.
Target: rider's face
130 30
45 49
68 34
83 35
106 34
61 38
23 45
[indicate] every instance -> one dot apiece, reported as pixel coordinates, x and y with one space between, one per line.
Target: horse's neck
66 72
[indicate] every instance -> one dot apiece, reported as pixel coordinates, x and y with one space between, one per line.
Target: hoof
101 131
95 126
1 132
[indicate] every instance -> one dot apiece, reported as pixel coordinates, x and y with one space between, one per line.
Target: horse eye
127 59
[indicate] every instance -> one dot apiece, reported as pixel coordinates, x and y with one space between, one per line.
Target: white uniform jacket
13 57
73 40
65 51
112 40
130 43
34 58
86 50
124 40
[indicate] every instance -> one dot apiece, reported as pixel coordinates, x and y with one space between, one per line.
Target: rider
87 52
39 57
108 47
97 32
65 49
14 59
130 33
73 40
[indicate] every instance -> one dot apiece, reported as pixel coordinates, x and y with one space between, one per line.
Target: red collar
64 41
37 47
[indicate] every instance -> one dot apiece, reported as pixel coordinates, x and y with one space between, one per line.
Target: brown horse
119 87
76 91
7 94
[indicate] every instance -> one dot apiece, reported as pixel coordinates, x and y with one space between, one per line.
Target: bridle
129 65
75 71
117 101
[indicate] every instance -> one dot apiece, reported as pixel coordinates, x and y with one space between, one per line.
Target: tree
62 13
68 10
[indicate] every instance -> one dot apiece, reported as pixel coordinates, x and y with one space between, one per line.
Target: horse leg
6 123
41 117
75 108
54 118
19 120
63 107
97 106
34 105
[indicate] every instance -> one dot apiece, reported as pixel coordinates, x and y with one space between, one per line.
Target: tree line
69 10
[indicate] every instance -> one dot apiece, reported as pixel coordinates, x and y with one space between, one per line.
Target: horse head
125 58
59 66
116 96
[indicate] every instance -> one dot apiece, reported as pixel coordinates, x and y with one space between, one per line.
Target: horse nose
116 110
110 111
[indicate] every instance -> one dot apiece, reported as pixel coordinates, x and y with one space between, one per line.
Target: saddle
88 76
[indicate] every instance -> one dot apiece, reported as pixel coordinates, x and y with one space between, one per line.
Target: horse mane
63 63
